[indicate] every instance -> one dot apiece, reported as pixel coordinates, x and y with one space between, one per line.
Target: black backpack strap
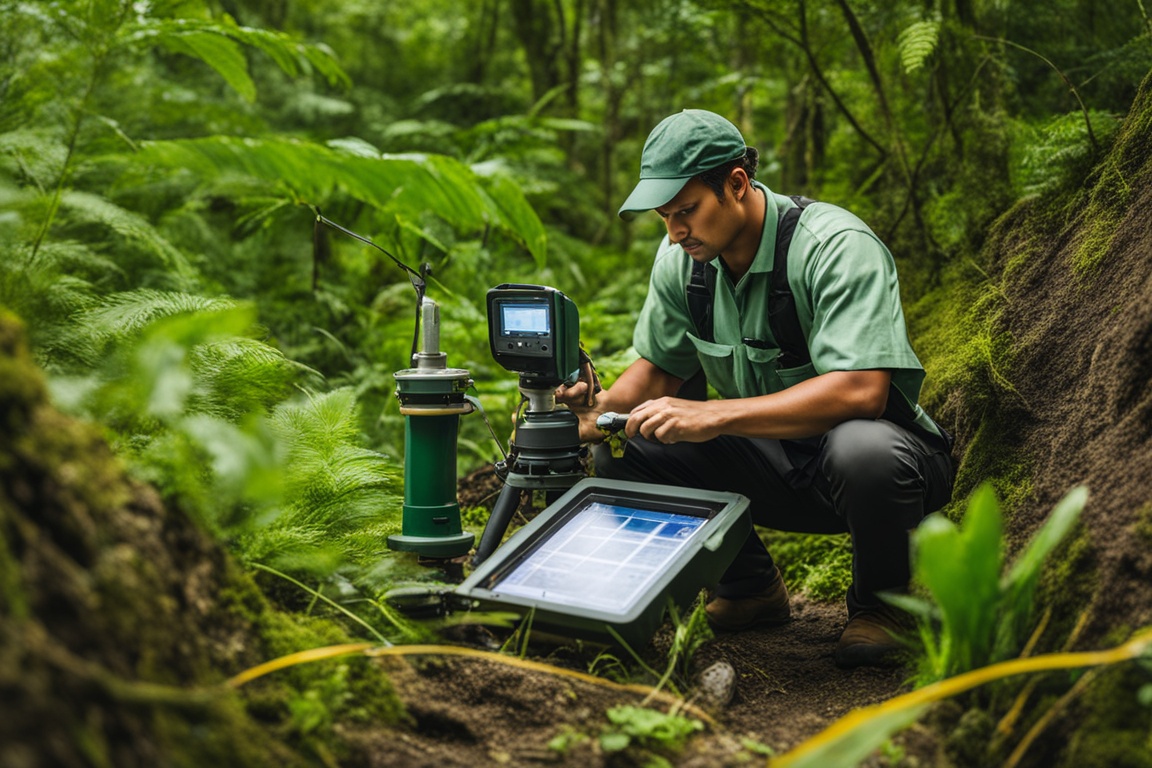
782 317
699 293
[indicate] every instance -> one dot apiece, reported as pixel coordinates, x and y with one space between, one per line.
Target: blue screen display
520 318
604 558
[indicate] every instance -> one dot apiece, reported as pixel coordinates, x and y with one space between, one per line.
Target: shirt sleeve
661 334
857 319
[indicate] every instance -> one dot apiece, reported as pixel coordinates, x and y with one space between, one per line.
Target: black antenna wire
419 283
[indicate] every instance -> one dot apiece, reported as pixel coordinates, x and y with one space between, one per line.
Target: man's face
700 223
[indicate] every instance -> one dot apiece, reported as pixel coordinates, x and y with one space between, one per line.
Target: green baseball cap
680 147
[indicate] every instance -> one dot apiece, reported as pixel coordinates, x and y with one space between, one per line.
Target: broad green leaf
218 52
518 214
407 185
961 568
120 315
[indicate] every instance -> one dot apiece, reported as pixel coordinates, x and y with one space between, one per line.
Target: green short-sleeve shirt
847 299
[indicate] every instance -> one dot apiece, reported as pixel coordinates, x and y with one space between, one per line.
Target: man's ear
738 182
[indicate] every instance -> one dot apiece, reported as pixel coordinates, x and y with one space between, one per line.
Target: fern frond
917 42
89 208
121 315
39 154
239 375
339 496
49 292
326 419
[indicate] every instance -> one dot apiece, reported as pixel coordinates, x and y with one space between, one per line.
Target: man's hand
671 420
581 400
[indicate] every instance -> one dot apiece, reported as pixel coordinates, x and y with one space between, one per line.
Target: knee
868 457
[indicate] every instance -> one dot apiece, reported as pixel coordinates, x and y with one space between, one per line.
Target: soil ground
471 713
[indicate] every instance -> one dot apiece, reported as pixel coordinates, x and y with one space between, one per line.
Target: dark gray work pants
872 479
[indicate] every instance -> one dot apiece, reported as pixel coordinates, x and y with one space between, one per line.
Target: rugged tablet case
701 556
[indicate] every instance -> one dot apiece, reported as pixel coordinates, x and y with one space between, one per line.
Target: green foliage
917 43
340 503
820 566
976 613
1054 155
408 186
647 729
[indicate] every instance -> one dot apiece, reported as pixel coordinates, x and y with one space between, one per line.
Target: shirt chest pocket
738 370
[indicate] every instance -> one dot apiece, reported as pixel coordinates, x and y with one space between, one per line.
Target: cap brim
649 194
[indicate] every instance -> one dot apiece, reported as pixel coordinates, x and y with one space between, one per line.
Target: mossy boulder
121 620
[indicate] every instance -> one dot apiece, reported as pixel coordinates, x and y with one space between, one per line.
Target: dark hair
717 178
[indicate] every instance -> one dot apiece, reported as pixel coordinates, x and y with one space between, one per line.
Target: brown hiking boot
768 609
872 639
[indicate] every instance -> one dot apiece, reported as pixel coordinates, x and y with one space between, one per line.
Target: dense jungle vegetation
162 166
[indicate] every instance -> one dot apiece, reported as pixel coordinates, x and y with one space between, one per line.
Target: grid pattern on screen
603 558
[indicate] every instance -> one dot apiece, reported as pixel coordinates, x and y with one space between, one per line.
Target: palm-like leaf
218 44
408 186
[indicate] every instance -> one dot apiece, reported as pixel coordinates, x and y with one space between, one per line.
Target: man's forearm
810 408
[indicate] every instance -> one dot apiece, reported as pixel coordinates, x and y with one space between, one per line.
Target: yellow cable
1138 645
367 649
300 657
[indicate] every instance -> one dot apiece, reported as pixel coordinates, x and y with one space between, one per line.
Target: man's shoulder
824 221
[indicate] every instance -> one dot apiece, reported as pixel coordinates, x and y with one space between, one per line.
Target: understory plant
977 613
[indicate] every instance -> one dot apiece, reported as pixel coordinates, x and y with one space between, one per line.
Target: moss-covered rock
120 620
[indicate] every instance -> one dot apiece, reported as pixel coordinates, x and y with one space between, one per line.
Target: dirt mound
1077 310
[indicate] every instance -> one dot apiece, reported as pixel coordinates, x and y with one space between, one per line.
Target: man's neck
740 254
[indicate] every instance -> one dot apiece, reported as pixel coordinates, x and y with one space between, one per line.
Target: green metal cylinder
432 402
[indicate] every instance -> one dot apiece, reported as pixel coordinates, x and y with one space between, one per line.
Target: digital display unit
604 561
534 330
523 318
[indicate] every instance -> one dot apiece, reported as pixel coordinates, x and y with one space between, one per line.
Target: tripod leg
506 504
